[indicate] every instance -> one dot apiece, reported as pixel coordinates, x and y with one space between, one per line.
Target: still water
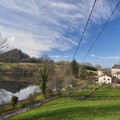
20 89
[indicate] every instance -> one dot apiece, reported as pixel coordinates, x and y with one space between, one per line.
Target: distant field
27 63
83 91
92 71
107 92
104 92
70 109
6 66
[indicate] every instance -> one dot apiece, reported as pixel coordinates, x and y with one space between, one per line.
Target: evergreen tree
14 101
82 72
74 67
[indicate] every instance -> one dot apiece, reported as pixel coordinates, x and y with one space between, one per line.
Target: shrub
14 101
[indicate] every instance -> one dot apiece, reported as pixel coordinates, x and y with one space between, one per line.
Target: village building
115 71
108 79
100 72
104 79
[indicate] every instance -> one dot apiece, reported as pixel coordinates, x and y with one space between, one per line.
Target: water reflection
5 96
13 86
20 86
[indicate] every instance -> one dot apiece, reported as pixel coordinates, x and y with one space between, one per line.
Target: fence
63 99
25 109
14 113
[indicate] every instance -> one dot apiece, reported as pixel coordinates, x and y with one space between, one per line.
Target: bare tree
3 44
65 76
3 47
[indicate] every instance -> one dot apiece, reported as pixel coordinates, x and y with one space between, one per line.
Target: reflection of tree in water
13 86
19 78
23 78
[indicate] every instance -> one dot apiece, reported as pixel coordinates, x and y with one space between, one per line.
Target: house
108 79
100 72
104 79
115 71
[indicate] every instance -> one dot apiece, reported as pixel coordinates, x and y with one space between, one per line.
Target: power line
84 29
101 31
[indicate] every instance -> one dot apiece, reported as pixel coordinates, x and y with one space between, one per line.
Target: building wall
114 71
105 79
100 73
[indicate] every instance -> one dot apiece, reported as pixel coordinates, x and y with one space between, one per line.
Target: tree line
17 56
63 76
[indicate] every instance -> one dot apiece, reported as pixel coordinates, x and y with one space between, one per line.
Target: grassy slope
70 109
104 92
91 71
108 91
82 92
6 66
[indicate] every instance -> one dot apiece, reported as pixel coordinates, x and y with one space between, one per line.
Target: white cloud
105 57
36 26
92 55
66 56
55 56
108 57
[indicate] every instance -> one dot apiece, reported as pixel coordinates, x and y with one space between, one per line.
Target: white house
100 72
104 79
115 71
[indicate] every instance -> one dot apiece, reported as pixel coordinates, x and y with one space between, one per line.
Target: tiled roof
116 66
99 69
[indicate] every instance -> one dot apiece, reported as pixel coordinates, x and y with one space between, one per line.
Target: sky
54 28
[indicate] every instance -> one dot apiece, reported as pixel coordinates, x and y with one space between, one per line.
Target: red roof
99 69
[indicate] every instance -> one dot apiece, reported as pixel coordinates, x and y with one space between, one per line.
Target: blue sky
54 27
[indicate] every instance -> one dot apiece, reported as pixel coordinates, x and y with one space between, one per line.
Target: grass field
70 109
104 92
107 92
83 91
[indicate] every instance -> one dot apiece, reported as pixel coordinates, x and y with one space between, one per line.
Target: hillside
70 109
13 56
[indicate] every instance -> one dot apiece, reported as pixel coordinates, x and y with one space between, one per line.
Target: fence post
2 117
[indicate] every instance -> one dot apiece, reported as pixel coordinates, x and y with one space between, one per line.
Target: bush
49 93
14 101
23 105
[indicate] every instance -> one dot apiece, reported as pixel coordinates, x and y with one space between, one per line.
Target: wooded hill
16 56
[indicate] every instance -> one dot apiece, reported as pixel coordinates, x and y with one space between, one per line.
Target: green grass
7 108
6 66
72 109
82 92
92 71
107 92
28 63
104 92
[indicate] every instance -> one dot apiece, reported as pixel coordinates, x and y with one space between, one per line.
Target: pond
20 89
